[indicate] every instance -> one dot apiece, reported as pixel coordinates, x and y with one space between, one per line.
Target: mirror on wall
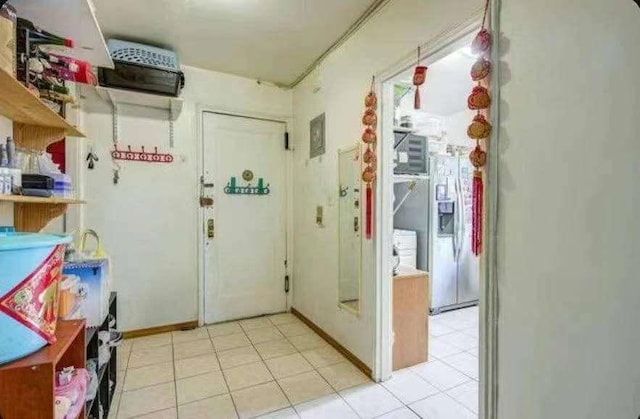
350 226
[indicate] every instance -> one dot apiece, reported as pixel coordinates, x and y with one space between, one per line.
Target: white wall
456 125
149 220
344 78
569 230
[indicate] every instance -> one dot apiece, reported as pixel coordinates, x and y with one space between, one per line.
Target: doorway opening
434 278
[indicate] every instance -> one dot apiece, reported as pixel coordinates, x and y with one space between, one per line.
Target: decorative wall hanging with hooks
142 156
233 189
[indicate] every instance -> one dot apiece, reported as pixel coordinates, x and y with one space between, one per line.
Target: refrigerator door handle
461 224
456 224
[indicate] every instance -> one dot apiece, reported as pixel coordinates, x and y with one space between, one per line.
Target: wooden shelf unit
35 126
27 385
32 213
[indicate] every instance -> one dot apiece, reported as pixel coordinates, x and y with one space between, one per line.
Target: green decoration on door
248 189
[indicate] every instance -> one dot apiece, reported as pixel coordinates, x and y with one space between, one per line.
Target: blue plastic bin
24 299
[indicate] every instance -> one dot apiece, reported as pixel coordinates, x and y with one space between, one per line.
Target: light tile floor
276 367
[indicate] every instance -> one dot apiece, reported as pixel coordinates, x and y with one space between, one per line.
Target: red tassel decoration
369 158
476 233
369 213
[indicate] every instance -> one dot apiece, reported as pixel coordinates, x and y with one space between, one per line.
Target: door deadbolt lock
206 202
210 228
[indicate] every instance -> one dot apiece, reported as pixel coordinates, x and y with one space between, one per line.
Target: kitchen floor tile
465 363
147 400
441 349
325 408
190 335
161 414
223 329
219 407
152 341
408 387
275 348
303 387
122 359
460 340
403 413
294 329
147 376
441 406
323 356
239 356
256 323
472 331
197 365
263 334
343 375
370 400
288 413
125 345
307 341
200 387
440 375
288 365
226 342
192 349
247 375
437 328
259 400
283 318
467 395
150 356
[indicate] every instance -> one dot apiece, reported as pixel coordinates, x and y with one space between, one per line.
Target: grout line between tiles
175 382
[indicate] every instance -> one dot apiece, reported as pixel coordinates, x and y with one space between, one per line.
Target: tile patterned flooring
276 367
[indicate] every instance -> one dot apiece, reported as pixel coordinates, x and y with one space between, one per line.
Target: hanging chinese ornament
480 129
419 77
369 159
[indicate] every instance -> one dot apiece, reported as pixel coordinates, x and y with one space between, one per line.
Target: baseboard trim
159 329
331 341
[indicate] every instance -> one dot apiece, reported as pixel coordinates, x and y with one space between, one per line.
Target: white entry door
244 171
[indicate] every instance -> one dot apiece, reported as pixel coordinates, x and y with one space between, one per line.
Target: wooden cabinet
27 385
410 318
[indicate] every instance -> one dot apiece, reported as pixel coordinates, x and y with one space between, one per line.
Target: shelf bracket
31 217
171 119
33 137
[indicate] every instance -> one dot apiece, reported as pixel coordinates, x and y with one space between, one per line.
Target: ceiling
448 84
268 40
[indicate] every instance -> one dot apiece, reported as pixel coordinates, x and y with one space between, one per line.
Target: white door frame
200 233
433 50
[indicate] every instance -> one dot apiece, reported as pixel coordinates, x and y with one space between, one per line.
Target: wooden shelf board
130 97
21 106
66 332
38 200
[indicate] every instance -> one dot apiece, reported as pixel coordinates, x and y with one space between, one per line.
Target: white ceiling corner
269 40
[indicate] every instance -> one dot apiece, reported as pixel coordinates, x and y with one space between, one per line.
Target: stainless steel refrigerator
453 268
